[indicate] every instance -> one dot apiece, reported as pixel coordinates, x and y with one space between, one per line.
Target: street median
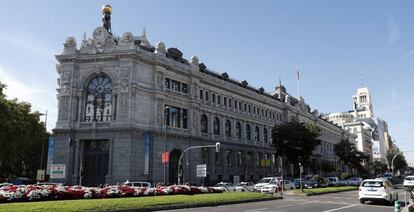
151 203
328 190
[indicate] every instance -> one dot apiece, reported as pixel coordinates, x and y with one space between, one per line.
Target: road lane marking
337 209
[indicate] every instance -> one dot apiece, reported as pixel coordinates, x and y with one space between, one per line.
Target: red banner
165 157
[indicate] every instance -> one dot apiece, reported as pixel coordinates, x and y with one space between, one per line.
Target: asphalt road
341 202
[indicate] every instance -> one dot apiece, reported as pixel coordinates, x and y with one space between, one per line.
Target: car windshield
372 184
242 184
220 184
409 178
264 180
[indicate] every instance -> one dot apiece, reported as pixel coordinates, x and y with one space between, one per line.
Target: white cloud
41 98
29 45
394 30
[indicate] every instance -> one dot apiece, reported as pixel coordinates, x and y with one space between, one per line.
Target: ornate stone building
123 102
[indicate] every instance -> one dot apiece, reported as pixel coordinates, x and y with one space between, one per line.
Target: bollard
397 206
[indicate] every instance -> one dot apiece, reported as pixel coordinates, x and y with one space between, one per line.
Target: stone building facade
123 102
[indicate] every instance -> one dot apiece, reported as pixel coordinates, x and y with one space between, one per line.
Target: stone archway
173 166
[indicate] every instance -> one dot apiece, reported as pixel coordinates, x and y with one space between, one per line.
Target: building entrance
173 166
95 162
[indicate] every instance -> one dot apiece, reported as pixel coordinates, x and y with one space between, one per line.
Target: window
240 105
257 159
235 104
245 107
176 117
225 101
248 132
229 156
207 96
249 108
228 128
204 124
218 99
262 112
218 159
239 158
229 102
201 94
216 126
256 134
176 86
213 98
238 130
265 135
254 110
99 100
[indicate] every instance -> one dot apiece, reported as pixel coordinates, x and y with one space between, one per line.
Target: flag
297 72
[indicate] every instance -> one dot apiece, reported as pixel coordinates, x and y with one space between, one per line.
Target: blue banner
147 143
50 152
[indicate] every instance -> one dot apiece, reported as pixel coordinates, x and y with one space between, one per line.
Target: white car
263 182
271 187
225 186
245 186
288 185
379 189
138 184
409 181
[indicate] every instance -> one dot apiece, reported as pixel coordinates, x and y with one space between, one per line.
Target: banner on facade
50 152
57 171
147 143
165 157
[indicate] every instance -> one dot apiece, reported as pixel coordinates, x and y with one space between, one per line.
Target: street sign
201 170
57 171
40 175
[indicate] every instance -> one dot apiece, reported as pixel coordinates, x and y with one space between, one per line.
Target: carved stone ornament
70 42
127 37
102 40
194 60
160 49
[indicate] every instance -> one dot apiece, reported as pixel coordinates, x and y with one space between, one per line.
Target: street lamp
43 142
165 139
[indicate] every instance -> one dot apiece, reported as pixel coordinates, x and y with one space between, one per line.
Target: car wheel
362 201
291 188
242 190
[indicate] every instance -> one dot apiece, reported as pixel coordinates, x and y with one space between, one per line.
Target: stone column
108 177
76 167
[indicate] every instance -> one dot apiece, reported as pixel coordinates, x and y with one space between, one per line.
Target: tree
399 161
21 138
295 141
352 157
327 167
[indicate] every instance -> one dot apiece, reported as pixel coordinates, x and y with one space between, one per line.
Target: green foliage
318 178
399 161
327 167
345 176
21 137
351 156
294 140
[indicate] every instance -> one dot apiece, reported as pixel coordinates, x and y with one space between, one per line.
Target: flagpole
297 80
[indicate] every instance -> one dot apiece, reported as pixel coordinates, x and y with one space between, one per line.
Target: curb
327 192
198 205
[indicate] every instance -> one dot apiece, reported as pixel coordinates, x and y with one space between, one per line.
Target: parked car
297 183
138 184
263 182
272 187
245 186
225 186
48 183
356 181
333 181
388 176
288 185
379 189
312 184
409 181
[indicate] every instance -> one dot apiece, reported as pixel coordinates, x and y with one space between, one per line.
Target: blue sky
340 46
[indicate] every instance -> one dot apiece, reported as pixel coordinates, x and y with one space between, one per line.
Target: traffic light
218 147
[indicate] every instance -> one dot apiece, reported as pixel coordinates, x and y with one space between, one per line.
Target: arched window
216 126
265 135
204 123
99 100
256 134
228 128
238 130
248 132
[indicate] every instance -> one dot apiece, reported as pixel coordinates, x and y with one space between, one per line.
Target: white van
333 181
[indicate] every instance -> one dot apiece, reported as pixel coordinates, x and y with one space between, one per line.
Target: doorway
173 166
95 162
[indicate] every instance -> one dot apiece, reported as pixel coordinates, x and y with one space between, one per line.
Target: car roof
375 180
